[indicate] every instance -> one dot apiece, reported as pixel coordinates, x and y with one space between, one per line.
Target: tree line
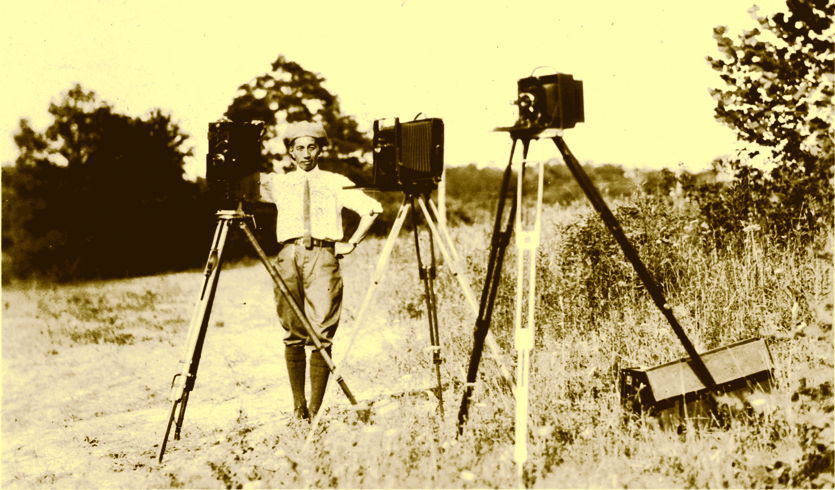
99 194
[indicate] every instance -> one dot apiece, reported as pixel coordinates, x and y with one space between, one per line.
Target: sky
642 63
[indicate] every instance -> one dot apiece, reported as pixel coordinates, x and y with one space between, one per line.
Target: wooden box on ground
674 393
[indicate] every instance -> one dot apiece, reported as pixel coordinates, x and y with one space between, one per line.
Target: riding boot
319 374
296 360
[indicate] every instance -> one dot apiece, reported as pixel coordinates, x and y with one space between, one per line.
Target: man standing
309 202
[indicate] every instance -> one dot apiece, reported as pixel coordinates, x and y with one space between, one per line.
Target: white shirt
328 195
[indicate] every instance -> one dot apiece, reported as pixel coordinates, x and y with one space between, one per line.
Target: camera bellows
408 155
417 152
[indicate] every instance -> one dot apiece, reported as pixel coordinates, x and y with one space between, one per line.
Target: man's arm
362 229
266 185
344 248
357 201
268 189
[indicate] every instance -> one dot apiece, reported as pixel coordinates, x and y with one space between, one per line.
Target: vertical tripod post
527 243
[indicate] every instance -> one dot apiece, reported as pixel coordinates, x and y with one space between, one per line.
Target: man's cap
304 128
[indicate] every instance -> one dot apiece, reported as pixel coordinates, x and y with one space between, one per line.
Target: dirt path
93 415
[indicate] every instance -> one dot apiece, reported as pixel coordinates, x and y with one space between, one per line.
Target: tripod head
419 188
236 214
232 211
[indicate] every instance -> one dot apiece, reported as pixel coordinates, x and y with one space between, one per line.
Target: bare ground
93 415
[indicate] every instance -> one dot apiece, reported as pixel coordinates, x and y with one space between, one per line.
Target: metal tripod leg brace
527 244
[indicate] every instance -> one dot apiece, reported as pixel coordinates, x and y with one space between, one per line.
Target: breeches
315 283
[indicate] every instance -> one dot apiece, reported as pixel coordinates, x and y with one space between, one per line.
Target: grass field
87 368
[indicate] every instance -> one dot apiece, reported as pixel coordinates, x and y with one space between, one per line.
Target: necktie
308 241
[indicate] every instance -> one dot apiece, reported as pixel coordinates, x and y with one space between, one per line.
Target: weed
224 475
96 313
592 319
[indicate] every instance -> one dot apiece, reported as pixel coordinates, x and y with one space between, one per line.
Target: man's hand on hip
343 248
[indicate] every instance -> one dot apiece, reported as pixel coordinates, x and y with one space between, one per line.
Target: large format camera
548 102
408 155
233 163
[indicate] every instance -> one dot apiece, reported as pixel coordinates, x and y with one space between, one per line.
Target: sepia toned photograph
417 244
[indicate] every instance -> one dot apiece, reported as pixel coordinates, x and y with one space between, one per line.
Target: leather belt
315 242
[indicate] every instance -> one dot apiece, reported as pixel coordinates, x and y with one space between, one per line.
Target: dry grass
86 370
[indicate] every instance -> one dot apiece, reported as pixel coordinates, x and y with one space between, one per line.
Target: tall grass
592 317
579 436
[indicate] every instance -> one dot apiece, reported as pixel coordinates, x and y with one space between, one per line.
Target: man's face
305 152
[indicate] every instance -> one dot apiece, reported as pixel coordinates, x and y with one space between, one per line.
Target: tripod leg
427 275
167 430
435 335
443 228
652 288
184 381
468 293
499 244
454 266
379 271
457 272
181 416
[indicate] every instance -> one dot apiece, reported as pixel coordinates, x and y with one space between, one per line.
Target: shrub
597 272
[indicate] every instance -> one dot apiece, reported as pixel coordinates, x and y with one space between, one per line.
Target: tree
100 194
777 99
659 182
289 93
